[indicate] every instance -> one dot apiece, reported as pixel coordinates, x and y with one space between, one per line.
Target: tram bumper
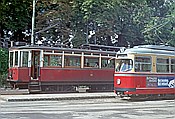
124 91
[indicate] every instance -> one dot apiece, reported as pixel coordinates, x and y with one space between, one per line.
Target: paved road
88 109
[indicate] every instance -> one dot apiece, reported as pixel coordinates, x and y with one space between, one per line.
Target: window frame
163 64
22 58
142 64
172 65
49 60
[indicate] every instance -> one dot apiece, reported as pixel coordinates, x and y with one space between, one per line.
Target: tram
44 69
145 72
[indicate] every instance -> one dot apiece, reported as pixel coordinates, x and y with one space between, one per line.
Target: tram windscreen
124 65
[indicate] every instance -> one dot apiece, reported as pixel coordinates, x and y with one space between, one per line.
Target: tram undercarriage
51 87
140 97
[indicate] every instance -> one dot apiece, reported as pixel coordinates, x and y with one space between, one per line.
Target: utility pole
0 37
87 31
33 24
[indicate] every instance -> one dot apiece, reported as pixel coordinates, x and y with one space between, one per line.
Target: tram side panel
94 79
19 77
13 74
76 75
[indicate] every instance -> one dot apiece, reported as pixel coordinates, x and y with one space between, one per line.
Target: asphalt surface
104 108
15 104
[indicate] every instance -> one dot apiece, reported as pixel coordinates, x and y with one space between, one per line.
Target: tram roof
36 47
151 49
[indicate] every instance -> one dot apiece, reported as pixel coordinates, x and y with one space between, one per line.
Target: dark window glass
142 64
162 65
72 61
11 59
91 62
172 65
16 58
25 59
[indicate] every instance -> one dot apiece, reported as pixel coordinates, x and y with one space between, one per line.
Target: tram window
142 64
46 60
11 59
106 64
16 58
72 61
91 62
172 65
124 65
52 60
55 60
25 59
162 65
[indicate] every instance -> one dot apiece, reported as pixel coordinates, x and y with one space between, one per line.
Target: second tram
146 71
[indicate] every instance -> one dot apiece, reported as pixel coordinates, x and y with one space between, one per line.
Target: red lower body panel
152 91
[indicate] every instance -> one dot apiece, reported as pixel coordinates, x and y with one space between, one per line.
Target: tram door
35 65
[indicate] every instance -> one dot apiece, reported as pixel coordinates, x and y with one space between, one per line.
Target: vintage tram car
44 69
145 72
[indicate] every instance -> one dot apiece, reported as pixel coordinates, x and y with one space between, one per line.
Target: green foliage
3 78
15 14
53 19
3 66
4 60
159 26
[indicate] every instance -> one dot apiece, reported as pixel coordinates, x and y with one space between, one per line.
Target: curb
59 98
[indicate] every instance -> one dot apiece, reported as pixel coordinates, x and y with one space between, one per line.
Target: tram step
34 89
35 83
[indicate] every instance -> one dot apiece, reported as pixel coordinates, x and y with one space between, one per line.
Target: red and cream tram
58 69
146 71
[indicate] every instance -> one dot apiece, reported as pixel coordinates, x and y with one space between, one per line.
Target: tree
15 16
159 26
53 20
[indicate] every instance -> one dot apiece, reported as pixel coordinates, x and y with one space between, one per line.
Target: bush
3 66
3 81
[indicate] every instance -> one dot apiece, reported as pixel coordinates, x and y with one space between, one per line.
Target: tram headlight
118 81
